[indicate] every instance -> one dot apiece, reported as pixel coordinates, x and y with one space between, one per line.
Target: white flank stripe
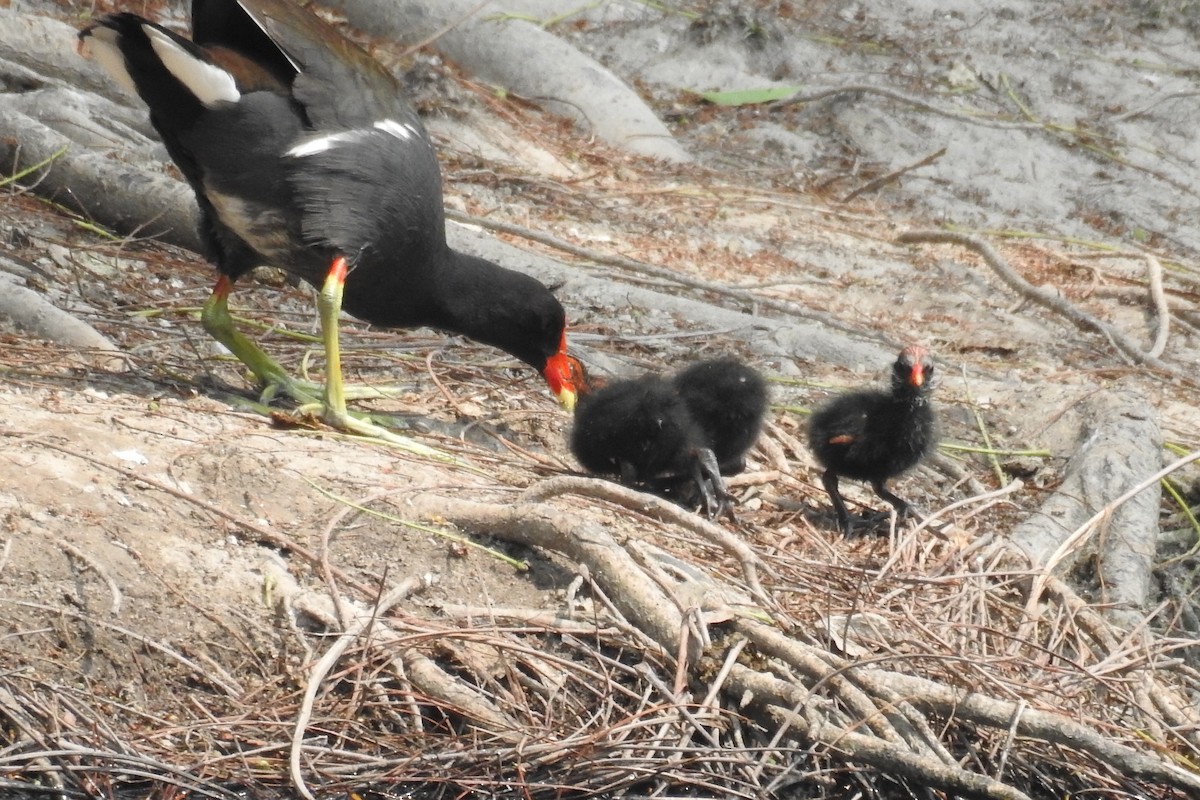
209 83
397 129
101 45
320 144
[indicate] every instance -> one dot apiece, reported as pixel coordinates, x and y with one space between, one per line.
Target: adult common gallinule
666 435
305 155
874 435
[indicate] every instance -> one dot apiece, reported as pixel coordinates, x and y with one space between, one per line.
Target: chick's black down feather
675 437
728 400
876 435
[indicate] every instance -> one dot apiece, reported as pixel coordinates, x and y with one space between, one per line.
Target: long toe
717 499
877 523
364 392
303 393
306 392
342 420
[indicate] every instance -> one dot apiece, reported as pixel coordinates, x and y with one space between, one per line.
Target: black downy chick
660 435
874 435
728 399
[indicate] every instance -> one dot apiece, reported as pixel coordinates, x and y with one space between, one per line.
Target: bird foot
375 392
718 502
874 522
303 393
343 420
701 487
865 525
306 392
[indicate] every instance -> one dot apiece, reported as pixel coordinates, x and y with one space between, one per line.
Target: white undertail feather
101 45
209 83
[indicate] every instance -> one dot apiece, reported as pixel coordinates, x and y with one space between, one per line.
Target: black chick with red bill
876 435
674 436
305 155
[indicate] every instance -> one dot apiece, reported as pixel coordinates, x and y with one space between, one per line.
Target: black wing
339 84
352 186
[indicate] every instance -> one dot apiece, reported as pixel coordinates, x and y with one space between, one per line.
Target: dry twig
321 669
894 175
659 509
1039 295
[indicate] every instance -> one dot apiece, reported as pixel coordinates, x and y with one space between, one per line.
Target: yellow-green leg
219 324
333 411
217 321
329 305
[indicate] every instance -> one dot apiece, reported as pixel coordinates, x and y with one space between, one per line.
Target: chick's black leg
830 480
707 474
735 466
902 507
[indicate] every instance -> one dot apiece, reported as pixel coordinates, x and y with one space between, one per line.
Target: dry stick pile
889 720
665 675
